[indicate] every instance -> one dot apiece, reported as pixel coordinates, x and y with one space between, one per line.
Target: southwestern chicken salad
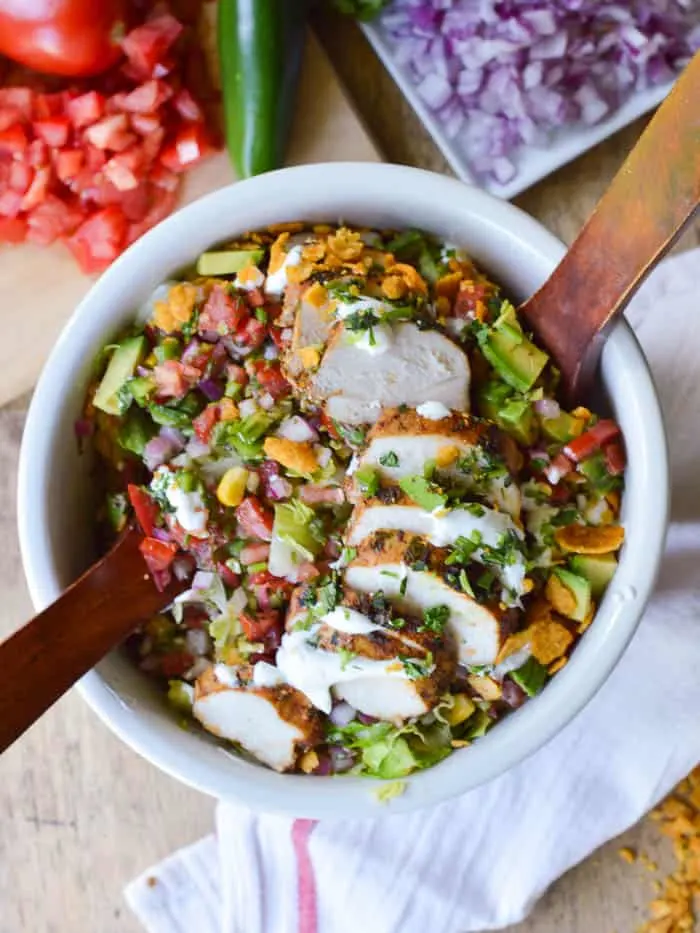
391 530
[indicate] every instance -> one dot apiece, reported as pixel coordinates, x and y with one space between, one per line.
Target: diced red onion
279 488
158 451
499 75
548 408
196 448
266 401
366 720
247 407
324 767
182 567
212 389
197 641
342 759
161 534
174 437
341 714
83 428
296 429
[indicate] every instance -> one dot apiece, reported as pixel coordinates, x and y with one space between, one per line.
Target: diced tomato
313 494
147 46
254 554
9 116
121 173
52 219
160 208
204 423
254 519
174 379
175 663
20 177
586 444
162 178
236 374
269 375
145 123
99 240
147 98
197 354
256 298
94 158
54 131
86 109
222 313
615 458
38 189
10 203
46 106
13 229
158 555
110 133
229 577
559 467
467 297
187 106
191 144
307 571
18 98
68 162
251 334
13 140
329 426
256 627
146 509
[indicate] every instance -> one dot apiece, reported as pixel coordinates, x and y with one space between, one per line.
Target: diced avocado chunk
121 368
581 590
422 492
562 428
531 677
515 358
514 415
598 569
228 261
136 431
367 480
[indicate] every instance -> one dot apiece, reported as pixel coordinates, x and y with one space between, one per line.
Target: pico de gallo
364 595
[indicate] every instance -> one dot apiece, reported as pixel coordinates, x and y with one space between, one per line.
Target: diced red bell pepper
158 555
190 145
254 519
270 377
98 241
86 109
13 229
147 46
615 458
586 444
54 131
13 140
146 509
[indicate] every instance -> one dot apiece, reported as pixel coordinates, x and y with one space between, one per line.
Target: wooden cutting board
42 286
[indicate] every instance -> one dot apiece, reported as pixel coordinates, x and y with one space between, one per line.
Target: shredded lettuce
297 536
388 791
391 752
207 590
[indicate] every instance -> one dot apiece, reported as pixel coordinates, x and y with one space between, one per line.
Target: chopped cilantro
417 669
435 619
464 583
474 509
389 459
403 585
364 319
346 656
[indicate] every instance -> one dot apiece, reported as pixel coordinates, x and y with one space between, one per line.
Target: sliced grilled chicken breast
417 365
275 724
463 451
312 329
387 563
389 673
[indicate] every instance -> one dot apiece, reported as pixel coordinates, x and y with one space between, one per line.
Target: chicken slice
312 329
388 563
356 383
274 724
465 454
389 673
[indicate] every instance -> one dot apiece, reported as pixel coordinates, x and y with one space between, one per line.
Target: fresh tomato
257 626
467 297
254 519
63 37
229 576
146 98
13 140
586 444
158 555
86 109
191 144
204 423
615 459
254 554
147 46
13 229
98 241
68 162
269 376
146 510
221 314
175 663
251 334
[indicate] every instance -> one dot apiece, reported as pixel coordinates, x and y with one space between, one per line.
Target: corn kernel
310 357
309 761
232 486
461 710
446 455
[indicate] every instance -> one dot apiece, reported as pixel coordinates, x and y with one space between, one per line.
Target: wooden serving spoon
650 201
45 657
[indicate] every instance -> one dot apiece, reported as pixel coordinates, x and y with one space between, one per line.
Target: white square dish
533 163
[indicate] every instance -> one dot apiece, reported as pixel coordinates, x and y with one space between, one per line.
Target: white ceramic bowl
55 510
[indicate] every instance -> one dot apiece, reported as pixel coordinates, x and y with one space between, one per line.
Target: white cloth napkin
482 861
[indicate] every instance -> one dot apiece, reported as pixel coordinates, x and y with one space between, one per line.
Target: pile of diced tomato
97 165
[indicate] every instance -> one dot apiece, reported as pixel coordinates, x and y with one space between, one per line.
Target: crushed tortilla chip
394 287
448 285
170 315
560 596
294 455
411 276
310 357
486 687
549 641
316 295
557 666
314 252
590 539
294 226
278 253
346 244
442 307
512 644
309 761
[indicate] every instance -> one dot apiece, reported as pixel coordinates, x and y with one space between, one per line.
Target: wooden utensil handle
45 657
650 200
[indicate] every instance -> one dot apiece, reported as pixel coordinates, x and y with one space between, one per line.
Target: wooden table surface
75 826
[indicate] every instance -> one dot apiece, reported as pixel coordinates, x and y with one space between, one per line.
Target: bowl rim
522 732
